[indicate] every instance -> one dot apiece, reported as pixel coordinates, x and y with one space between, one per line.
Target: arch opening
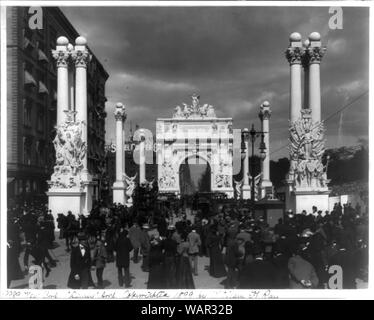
194 175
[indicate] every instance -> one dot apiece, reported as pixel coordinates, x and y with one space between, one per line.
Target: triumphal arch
194 131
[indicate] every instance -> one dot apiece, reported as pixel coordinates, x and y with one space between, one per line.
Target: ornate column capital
120 112
294 55
315 54
265 112
81 57
61 57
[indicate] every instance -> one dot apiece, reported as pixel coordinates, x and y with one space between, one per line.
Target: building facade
32 104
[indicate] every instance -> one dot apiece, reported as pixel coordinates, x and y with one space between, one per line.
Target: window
27 110
40 120
42 56
28 186
27 143
28 40
34 186
20 186
40 153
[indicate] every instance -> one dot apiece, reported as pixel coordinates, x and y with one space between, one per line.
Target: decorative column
315 52
142 177
307 183
305 63
61 55
264 116
81 57
294 55
246 193
246 163
71 79
119 185
71 187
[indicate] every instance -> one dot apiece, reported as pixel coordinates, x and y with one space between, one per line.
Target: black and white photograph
214 147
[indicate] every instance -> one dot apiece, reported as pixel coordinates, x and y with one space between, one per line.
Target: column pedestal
305 200
246 192
299 199
228 191
119 189
263 185
63 200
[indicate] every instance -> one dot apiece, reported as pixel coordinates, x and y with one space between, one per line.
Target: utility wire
330 116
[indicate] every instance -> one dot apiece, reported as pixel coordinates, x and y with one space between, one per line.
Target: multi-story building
32 98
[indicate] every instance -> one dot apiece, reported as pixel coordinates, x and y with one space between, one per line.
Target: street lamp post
253 133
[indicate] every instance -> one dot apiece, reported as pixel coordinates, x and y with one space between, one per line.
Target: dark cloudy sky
233 57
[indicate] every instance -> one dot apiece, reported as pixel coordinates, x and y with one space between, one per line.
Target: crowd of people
30 230
244 251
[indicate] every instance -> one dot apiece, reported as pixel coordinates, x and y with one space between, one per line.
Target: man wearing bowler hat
80 264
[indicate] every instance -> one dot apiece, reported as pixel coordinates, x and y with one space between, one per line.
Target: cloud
239 107
153 84
232 56
337 46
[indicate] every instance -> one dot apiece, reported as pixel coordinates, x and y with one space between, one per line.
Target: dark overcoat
123 248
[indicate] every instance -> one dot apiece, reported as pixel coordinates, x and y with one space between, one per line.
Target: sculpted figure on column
130 186
70 150
238 188
307 146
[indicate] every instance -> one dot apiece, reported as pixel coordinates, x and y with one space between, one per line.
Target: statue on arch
204 110
178 112
195 103
210 112
186 110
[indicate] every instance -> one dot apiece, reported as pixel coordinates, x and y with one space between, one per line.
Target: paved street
59 275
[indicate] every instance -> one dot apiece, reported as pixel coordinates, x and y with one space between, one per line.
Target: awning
29 79
43 88
26 43
42 56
